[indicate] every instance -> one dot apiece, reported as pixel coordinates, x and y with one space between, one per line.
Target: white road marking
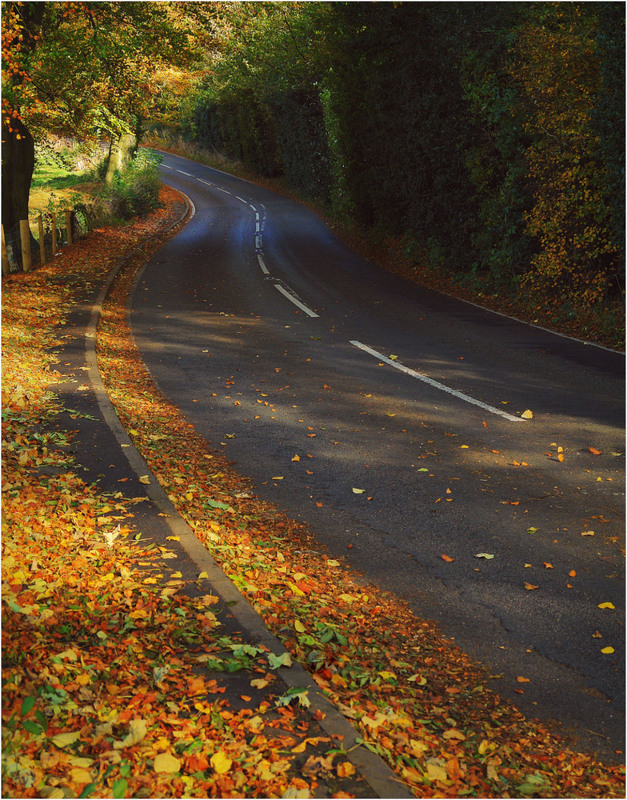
189 174
207 183
220 189
436 384
254 209
257 227
241 199
258 242
166 166
262 264
295 300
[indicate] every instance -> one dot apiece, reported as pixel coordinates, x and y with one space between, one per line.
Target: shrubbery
135 189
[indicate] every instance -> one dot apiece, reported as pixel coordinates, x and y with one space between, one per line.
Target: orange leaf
447 558
531 587
595 452
520 679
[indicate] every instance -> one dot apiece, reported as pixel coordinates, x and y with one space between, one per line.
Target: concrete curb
371 767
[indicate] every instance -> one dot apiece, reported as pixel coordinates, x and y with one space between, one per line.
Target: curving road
405 409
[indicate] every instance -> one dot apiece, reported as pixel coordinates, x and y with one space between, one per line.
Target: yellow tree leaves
559 72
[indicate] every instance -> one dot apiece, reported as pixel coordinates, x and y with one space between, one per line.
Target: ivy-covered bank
483 140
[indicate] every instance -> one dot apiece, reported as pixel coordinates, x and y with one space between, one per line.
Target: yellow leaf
259 683
137 731
83 679
386 674
145 479
528 414
296 458
278 478
435 772
454 733
358 491
173 538
607 605
299 627
298 592
607 650
347 598
587 533
66 739
300 748
345 769
166 762
530 587
79 775
417 747
220 762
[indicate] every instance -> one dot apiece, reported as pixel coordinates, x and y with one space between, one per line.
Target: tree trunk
121 149
18 163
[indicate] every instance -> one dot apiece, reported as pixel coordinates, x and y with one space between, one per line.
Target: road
390 419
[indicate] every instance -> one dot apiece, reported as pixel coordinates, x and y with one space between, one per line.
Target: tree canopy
88 69
483 138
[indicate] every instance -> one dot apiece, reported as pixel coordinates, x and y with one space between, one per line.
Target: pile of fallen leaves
114 673
96 657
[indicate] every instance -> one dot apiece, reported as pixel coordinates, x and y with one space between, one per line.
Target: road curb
383 781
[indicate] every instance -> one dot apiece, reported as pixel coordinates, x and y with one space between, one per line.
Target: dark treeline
481 138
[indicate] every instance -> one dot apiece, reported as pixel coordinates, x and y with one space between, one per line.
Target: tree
86 68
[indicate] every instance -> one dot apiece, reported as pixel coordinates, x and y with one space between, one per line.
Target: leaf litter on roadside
93 648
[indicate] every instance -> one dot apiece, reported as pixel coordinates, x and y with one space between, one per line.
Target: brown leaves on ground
97 635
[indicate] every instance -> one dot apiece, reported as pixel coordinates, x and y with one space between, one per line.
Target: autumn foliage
483 142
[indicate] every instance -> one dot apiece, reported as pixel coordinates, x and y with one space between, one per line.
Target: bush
135 189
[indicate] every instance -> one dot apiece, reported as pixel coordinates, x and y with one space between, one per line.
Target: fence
34 242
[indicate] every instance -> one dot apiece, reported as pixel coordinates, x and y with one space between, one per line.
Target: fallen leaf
454 733
358 491
345 769
587 533
484 555
220 762
528 414
66 739
447 558
520 679
530 587
145 479
607 605
595 452
136 732
607 650
296 458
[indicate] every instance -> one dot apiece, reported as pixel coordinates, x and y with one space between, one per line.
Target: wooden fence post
68 222
5 256
42 244
54 233
25 239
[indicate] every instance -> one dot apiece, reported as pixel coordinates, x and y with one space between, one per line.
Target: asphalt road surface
415 462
